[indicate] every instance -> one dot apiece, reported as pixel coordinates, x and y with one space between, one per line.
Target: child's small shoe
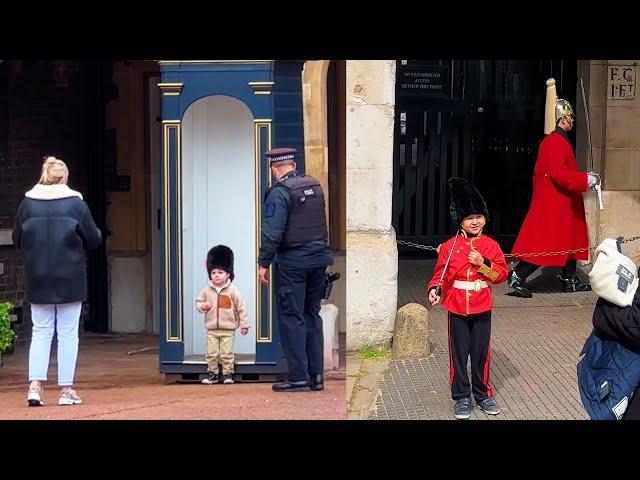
227 378
462 409
210 379
489 406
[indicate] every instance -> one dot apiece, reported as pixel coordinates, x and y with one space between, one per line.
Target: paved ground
536 345
363 376
116 385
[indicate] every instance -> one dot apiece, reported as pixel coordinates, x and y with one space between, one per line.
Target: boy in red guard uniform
467 264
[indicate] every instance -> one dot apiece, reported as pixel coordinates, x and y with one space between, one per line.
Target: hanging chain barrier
519 255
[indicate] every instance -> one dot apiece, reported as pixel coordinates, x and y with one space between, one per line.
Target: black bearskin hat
465 200
220 257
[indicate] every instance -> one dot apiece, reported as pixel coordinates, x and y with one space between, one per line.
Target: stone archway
314 99
324 103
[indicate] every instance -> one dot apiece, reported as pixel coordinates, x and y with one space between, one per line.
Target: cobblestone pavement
536 344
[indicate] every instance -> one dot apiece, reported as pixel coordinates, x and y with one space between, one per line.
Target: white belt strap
476 286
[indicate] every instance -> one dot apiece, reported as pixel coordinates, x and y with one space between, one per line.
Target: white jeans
64 319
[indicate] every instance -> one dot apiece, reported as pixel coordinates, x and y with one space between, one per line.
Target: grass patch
370 353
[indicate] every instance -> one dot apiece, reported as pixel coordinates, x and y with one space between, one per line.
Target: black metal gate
478 119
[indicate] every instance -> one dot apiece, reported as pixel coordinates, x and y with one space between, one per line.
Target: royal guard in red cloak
556 219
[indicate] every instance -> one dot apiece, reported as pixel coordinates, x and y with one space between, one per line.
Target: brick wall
43 110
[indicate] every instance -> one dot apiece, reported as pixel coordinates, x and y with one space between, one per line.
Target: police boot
317 382
574 284
518 285
287 386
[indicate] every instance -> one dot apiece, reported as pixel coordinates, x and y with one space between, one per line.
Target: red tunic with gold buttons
494 270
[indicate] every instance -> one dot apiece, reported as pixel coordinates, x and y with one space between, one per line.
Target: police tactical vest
307 221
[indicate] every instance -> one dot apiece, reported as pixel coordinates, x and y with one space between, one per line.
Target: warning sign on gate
424 81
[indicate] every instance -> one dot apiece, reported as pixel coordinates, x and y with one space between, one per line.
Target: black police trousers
298 293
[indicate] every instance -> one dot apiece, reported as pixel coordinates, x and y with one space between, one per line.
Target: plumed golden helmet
563 109
555 108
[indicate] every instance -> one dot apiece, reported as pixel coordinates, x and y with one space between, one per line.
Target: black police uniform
294 232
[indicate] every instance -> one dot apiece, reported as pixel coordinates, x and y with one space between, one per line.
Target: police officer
294 233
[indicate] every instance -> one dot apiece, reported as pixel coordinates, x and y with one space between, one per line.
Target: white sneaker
69 397
35 397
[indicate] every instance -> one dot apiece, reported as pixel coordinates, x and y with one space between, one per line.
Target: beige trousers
220 343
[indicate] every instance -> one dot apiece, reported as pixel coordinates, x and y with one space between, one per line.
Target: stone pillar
372 254
615 130
592 74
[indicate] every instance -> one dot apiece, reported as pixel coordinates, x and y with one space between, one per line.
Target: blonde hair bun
53 171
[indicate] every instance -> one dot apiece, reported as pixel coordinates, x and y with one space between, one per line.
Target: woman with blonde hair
54 228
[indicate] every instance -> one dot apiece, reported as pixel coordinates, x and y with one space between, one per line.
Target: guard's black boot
574 284
518 285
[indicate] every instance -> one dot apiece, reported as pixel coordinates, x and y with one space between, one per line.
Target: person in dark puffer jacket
622 325
54 228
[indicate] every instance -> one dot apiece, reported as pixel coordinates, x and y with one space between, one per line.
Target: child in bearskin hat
467 264
225 312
